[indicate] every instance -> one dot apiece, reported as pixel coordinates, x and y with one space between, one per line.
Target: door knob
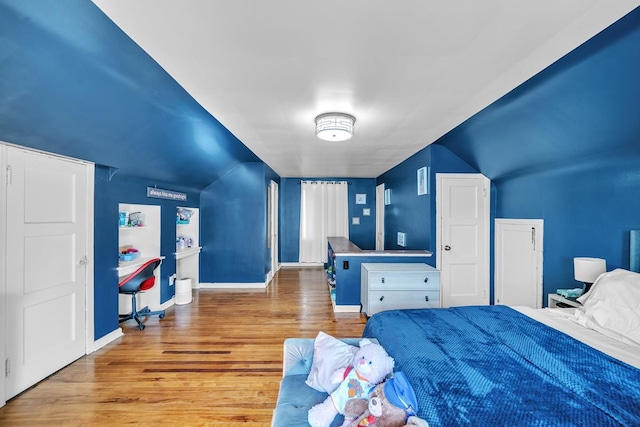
447 248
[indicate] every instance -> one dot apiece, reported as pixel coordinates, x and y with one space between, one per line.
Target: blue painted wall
109 193
412 214
362 235
233 230
105 250
71 82
565 147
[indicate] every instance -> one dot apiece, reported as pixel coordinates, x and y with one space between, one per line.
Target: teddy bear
371 364
391 404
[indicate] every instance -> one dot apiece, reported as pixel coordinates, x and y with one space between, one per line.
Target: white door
46 266
273 226
518 262
380 217
462 238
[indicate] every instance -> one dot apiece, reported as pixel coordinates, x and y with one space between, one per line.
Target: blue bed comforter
493 366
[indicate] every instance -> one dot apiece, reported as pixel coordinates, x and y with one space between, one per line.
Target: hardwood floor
215 361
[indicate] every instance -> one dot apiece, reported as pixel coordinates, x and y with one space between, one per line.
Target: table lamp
587 270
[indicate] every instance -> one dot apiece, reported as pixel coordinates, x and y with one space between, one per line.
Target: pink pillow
329 354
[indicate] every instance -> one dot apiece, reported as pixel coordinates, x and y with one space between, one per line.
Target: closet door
46 265
518 262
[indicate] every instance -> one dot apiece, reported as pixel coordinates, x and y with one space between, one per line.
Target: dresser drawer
392 300
409 280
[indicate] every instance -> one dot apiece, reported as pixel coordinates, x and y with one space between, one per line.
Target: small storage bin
183 291
130 255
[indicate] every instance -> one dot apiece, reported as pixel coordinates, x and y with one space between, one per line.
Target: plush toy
391 404
371 364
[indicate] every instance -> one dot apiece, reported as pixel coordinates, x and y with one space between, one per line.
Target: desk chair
140 280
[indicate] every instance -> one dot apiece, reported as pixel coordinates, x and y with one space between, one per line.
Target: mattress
563 320
494 365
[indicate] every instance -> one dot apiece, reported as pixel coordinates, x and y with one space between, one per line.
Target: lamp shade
587 270
334 126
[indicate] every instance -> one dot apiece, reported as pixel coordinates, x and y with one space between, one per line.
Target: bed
498 365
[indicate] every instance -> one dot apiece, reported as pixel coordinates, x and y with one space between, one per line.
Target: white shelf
188 259
188 252
146 239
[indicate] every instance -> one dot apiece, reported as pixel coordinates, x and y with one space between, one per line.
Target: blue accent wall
233 227
105 251
362 235
565 147
110 190
73 83
412 214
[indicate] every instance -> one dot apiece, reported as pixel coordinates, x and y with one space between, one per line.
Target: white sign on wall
159 193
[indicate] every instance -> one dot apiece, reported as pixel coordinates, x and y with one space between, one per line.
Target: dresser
387 286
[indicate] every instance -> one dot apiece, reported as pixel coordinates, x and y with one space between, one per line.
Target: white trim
346 308
301 264
256 285
107 339
171 301
3 269
89 290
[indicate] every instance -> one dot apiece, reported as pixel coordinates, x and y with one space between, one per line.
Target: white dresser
387 286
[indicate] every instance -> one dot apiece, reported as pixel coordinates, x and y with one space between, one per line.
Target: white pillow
612 306
329 354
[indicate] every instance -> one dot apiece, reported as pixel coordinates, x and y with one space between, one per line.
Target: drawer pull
382 280
426 297
382 297
426 279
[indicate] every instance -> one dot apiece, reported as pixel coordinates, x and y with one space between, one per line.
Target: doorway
462 238
518 262
380 217
272 238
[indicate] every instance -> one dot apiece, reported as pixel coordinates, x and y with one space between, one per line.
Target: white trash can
183 291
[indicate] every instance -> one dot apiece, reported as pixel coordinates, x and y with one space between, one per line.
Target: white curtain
324 212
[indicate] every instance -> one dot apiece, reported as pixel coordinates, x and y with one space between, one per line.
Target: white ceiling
408 70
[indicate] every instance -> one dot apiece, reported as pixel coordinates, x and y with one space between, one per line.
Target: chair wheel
161 316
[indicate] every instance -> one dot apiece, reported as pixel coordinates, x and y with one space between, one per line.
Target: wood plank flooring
215 361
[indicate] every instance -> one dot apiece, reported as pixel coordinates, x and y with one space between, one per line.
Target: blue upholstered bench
296 397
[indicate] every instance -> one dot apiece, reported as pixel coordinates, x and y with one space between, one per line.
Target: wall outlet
401 239
172 280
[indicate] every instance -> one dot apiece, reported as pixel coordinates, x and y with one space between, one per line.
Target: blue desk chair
140 280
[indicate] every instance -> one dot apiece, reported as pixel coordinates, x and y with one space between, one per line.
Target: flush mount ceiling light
334 126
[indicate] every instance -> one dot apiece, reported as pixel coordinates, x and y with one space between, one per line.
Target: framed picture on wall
387 196
423 181
361 199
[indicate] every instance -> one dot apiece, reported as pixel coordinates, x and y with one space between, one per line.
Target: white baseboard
167 303
112 336
233 285
301 264
346 309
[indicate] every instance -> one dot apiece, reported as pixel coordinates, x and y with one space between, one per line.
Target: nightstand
554 299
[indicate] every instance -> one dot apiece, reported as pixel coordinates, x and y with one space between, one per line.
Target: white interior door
462 238
380 217
46 265
518 269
